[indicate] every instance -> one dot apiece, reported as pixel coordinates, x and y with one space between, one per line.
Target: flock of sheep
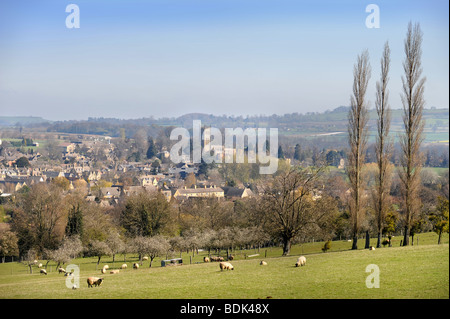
301 261
223 265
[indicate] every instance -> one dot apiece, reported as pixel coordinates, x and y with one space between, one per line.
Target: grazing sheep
371 248
43 271
115 271
301 261
135 265
103 271
61 270
144 258
40 265
94 281
214 258
263 263
206 259
226 266
74 287
106 267
124 266
231 257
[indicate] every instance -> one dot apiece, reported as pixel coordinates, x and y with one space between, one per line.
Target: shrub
326 246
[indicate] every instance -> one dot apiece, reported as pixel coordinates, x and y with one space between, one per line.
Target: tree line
411 159
297 205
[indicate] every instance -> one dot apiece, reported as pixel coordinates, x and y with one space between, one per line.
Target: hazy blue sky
133 59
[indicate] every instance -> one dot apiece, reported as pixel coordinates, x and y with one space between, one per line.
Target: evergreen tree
297 152
23 162
75 221
151 151
203 169
280 152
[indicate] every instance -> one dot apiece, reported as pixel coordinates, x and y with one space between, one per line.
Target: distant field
429 137
41 146
438 170
405 272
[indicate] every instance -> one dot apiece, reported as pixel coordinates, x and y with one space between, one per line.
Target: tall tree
145 214
140 140
38 220
286 206
8 243
203 169
75 221
413 103
151 151
383 146
297 152
280 152
357 135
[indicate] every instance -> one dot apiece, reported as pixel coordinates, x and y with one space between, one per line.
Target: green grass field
420 271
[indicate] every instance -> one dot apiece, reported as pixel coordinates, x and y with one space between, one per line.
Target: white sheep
61 270
40 266
124 266
145 258
115 271
226 266
263 263
301 261
135 265
43 272
106 266
371 248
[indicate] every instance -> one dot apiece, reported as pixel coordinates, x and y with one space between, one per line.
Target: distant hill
332 123
21 120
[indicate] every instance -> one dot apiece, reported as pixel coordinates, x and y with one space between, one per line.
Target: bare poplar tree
383 146
413 103
357 135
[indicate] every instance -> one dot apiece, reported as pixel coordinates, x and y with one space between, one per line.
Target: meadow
419 271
